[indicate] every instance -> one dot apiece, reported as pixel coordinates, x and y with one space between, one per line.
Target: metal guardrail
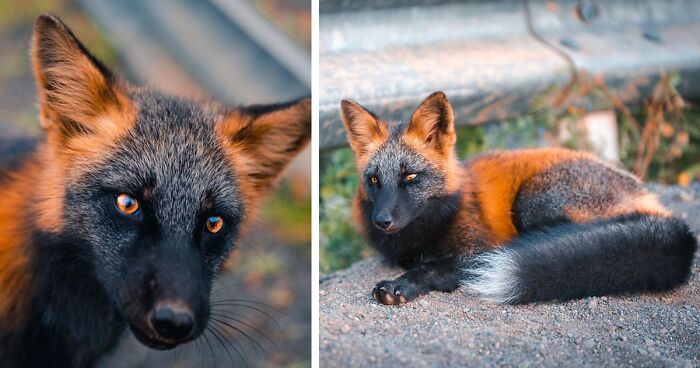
389 55
234 58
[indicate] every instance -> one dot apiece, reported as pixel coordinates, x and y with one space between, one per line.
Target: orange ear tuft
77 94
263 139
433 123
365 131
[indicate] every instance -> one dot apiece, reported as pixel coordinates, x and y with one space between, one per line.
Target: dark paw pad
395 292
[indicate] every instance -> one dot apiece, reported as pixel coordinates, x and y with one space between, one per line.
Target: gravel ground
442 329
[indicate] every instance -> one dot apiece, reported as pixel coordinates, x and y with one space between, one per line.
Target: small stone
686 197
345 329
589 344
593 303
648 342
424 303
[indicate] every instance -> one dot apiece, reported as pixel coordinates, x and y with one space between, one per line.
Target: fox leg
441 275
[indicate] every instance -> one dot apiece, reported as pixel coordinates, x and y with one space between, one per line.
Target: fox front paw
396 292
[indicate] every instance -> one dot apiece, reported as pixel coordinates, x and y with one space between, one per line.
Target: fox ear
263 139
365 130
433 123
77 94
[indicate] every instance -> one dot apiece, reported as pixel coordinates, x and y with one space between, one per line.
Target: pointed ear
263 139
365 130
77 94
432 123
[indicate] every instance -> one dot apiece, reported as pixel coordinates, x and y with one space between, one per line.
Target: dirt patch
454 329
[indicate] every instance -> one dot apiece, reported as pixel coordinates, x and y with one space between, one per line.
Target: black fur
73 320
544 198
628 254
13 151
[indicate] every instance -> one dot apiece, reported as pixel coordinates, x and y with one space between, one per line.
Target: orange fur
15 278
261 147
499 175
368 132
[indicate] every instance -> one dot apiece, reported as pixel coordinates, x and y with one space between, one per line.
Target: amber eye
127 204
214 224
374 180
410 177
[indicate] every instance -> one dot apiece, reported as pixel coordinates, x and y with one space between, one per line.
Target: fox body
122 214
511 226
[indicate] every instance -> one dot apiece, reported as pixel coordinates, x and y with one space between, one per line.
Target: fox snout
172 320
166 301
388 216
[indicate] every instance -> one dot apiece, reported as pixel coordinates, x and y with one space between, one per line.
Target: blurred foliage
666 123
17 100
289 209
658 140
339 243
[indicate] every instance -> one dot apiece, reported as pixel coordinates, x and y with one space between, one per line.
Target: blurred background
237 51
620 78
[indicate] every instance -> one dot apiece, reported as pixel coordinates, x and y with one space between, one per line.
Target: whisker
250 307
233 342
249 326
241 332
220 328
210 348
246 301
222 345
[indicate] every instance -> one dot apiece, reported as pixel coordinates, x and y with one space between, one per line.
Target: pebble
345 329
424 303
593 304
589 344
686 197
648 342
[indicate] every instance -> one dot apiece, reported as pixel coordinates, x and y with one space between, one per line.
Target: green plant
339 243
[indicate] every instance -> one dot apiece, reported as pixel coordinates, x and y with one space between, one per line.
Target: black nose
382 221
172 322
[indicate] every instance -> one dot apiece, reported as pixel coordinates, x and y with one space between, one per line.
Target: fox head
156 189
403 167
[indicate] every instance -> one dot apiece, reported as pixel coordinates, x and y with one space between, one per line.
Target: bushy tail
623 255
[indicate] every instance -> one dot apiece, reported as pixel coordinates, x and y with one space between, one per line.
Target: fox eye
214 224
410 177
374 180
127 204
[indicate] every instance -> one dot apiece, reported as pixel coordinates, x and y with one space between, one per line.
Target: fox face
151 190
405 167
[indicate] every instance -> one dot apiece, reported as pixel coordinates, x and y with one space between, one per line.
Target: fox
511 226
119 217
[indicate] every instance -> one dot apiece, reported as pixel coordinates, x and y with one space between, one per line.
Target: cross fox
511 227
122 214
